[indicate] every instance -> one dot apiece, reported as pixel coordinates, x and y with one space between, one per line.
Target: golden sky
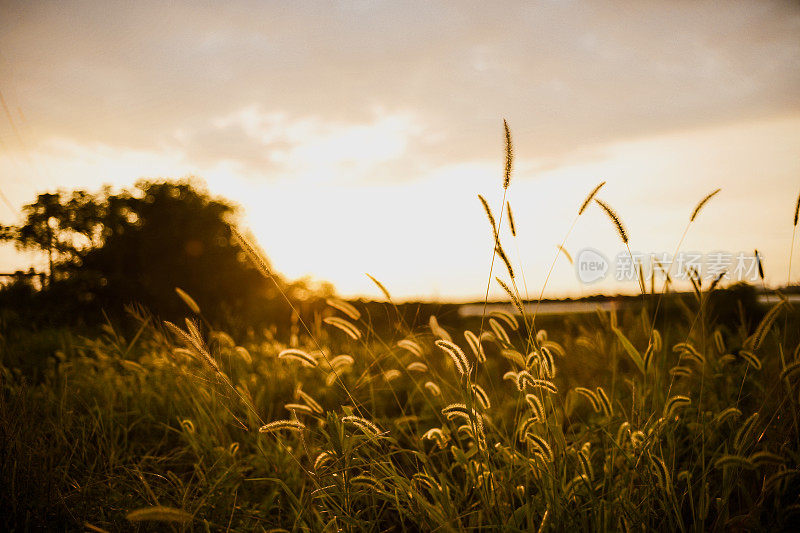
356 135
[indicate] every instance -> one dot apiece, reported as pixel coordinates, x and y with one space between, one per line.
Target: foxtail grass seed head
507 318
681 371
490 216
726 414
589 198
796 211
298 408
475 345
657 342
553 347
548 362
433 388
524 379
647 358
499 331
255 257
743 434
159 513
686 350
438 331
605 403
436 435
575 484
194 329
765 325
758 263
532 360
311 402
527 426
188 300
341 361
585 464
536 405
427 481
541 446
776 479
364 480
509 156
638 438
791 371
363 424
764 458
733 461
344 307
322 460
499 249
662 474
511 224
417 366
456 354
194 342
517 303
460 410
719 342
703 202
411 346
751 359
465 430
242 352
380 286
280 425
566 253
623 433
674 404
391 375
481 396
347 327
298 355
547 386
188 426
716 281
623 235
590 395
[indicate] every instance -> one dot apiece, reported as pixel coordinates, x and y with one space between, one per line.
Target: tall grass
613 422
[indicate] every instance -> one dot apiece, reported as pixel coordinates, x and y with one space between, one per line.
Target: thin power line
7 202
25 151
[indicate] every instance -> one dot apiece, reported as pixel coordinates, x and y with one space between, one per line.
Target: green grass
125 424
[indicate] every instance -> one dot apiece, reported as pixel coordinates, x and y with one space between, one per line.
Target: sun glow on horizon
427 238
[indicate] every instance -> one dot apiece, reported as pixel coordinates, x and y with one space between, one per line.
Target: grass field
630 420
590 430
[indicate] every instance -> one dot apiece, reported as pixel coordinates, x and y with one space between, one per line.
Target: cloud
275 145
566 74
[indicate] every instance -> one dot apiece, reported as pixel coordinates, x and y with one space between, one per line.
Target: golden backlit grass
620 421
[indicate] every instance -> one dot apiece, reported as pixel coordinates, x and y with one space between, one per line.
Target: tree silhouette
139 245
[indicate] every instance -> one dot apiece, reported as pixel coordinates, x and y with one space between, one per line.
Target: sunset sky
355 136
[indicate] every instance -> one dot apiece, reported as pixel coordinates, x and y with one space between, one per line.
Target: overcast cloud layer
371 94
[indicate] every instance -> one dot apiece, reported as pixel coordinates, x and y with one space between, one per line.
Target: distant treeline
109 250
